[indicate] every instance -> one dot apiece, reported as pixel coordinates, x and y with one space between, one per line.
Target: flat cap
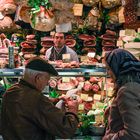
40 64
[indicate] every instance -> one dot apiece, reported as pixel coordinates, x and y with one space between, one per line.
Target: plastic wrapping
110 3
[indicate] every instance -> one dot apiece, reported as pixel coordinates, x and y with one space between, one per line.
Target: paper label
119 43
66 58
65 79
122 33
94 12
64 27
97 97
93 106
1 15
91 54
80 26
130 32
52 33
78 9
81 107
84 58
84 97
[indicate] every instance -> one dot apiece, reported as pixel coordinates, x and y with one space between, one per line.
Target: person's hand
54 100
71 105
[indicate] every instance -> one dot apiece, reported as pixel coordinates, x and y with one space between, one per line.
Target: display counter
97 71
64 72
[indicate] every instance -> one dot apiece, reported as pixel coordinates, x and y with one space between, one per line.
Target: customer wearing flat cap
124 112
29 115
57 51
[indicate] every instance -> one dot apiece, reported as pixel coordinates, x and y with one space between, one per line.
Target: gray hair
30 74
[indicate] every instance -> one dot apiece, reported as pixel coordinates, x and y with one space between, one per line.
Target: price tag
66 58
65 79
110 92
91 54
94 12
119 43
78 9
97 97
121 15
84 97
64 27
122 33
81 107
94 106
130 32
81 26
20 54
52 33
99 105
84 58
1 15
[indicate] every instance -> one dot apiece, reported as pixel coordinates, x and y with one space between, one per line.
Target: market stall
91 27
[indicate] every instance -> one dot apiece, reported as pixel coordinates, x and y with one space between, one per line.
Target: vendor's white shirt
73 54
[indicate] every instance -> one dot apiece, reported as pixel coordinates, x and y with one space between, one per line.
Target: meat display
60 64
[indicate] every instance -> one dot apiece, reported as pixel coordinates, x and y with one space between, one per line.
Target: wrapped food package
91 21
63 16
7 25
61 4
44 20
90 2
63 11
110 3
24 13
7 6
114 15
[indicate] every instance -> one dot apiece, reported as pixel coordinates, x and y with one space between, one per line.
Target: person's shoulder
48 50
130 87
70 50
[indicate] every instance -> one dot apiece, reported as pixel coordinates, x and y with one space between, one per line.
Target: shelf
82 72
11 72
62 72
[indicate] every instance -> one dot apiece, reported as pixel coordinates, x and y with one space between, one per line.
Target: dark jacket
28 115
124 118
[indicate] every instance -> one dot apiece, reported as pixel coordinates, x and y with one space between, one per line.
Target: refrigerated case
66 72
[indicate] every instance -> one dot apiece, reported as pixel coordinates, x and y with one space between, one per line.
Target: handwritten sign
78 9
84 97
119 43
66 79
130 32
66 58
84 58
81 107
